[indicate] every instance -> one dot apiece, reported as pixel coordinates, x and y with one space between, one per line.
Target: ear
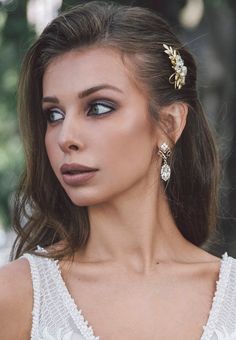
172 120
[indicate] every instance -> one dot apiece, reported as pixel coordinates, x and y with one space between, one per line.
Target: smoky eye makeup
93 108
100 108
53 114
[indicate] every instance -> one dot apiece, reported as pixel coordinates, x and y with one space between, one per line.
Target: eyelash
50 112
106 105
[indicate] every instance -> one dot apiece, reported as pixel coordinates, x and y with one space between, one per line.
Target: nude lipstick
74 174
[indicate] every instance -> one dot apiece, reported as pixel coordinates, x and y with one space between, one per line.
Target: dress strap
36 294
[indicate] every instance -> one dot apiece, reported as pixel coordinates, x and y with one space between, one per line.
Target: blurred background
207 27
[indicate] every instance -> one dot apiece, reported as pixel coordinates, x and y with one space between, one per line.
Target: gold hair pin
178 77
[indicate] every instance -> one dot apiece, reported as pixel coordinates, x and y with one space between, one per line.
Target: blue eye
99 109
54 115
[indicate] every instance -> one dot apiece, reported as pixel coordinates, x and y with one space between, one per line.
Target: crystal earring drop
165 152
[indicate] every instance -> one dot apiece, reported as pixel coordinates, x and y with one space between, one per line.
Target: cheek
129 149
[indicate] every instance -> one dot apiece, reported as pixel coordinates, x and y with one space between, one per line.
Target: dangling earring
165 152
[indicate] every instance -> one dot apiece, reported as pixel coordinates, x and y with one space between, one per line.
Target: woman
119 191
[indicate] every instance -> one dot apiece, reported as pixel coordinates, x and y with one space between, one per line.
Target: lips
76 174
74 168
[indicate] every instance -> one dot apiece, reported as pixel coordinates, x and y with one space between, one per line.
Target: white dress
55 315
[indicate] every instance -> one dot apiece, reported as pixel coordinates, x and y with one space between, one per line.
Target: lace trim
59 335
218 298
36 294
76 314
224 335
83 325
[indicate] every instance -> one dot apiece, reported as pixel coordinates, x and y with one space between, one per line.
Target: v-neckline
87 331
75 312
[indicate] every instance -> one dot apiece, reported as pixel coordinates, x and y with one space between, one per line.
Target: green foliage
15 36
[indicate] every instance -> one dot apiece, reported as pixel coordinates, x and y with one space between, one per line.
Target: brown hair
44 213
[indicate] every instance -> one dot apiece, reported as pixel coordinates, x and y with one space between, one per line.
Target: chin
83 200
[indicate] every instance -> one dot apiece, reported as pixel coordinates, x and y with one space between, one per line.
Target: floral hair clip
178 77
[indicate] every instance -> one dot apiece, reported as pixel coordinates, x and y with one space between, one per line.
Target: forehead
88 67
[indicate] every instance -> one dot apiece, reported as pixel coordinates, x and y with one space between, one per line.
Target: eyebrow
93 89
50 100
84 93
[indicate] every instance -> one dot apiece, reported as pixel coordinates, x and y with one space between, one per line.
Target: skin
135 257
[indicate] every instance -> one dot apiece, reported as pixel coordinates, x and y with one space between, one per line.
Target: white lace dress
56 316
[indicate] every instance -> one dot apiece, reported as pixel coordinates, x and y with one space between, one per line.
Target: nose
69 135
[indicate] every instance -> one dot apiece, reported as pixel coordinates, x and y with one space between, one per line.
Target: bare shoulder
16 300
197 255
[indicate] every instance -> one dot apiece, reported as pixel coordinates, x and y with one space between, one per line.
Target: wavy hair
43 213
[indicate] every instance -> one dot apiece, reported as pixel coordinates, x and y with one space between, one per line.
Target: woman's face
97 117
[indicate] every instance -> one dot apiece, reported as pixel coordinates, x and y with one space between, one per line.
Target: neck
138 231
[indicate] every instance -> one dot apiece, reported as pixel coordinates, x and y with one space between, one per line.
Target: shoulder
15 282
16 300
